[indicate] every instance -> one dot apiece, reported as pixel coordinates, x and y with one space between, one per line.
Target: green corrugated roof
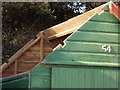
84 47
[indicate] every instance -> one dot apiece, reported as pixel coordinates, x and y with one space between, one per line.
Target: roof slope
87 45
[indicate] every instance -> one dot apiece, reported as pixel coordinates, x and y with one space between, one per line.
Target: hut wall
84 77
40 77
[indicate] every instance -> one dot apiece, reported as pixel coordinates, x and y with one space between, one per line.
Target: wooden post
15 67
41 47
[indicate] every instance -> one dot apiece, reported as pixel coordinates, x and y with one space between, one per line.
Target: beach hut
88 57
44 43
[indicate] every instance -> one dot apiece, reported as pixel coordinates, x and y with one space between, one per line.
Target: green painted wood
80 56
105 17
62 81
89 47
40 82
101 78
40 77
84 77
94 37
15 77
87 78
16 81
94 26
20 83
84 47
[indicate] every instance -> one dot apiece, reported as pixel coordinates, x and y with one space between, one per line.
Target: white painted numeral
106 48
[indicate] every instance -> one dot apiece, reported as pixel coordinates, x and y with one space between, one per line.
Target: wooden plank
37 49
37 44
94 26
20 52
31 61
28 53
41 47
11 67
26 66
15 68
3 66
106 17
7 73
68 56
95 37
34 54
90 47
28 57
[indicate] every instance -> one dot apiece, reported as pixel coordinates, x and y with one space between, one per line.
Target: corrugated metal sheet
84 47
84 77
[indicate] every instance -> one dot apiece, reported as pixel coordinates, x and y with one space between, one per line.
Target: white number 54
106 48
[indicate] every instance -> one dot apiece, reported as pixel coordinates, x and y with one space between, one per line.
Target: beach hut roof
94 44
